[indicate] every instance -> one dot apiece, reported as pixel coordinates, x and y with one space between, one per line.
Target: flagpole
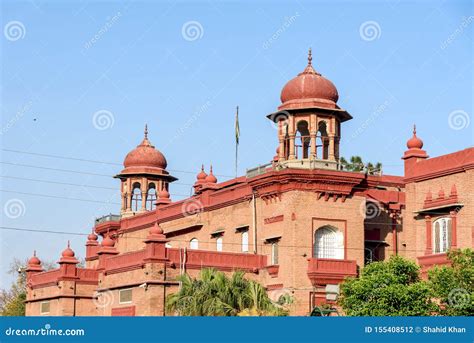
237 134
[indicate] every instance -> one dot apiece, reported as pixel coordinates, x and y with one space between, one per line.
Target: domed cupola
144 178
309 89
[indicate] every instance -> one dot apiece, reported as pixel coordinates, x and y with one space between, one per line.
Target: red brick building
296 224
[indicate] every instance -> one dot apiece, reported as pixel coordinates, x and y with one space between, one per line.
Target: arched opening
245 241
136 199
322 141
302 140
219 243
151 197
194 244
441 235
328 243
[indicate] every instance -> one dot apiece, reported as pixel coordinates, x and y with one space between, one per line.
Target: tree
357 165
215 294
391 288
12 301
454 285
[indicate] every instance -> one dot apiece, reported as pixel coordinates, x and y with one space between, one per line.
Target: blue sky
182 67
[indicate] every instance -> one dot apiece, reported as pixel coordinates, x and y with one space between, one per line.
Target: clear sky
81 78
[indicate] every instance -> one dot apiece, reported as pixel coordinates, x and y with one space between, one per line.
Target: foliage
12 301
454 285
215 294
391 288
357 165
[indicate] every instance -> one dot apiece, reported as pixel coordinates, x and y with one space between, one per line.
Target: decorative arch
322 141
151 197
328 243
194 243
136 197
442 230
303 139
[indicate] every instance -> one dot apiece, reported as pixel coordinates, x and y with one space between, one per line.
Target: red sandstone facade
295 225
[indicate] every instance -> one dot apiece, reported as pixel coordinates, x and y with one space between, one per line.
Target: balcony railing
322 271
107 218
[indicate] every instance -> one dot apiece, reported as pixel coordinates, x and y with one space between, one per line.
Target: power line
59 197
73 171
179 240
70 184
96 161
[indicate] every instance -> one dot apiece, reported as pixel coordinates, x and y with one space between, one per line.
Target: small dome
309 87
414 142
163 194
202 174
145 155
34 261
92 237
156 229
68 252
211 178
108 242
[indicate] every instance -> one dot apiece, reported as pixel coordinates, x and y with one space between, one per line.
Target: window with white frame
194 243
245 241
441 235
219 243
45 307
325 243
125 296
274 259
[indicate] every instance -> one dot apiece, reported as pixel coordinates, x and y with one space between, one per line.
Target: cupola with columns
145 181
308 121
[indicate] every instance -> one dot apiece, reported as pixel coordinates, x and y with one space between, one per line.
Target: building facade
295 225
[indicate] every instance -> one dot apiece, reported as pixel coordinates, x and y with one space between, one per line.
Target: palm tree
357 165
215 294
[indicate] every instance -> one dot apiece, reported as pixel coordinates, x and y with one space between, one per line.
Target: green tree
356 164
12 301
389 288
215 294
454 285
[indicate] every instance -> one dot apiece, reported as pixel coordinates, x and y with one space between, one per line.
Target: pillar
331 147
292 147
454 234
429 248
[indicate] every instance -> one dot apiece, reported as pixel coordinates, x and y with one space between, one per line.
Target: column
429 249
313 145
331 147
454 234
292 147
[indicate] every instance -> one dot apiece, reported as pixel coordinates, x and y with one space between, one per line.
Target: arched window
274 260
302 140
194 243
328 243
219 244
245 241
322 141
136 197
441 235
151 197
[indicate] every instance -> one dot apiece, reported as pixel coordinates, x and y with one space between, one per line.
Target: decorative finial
210 169
146 131
34 253
414 129
310 56
68 244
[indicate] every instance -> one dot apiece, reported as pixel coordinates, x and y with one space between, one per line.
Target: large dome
145 155
309 89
